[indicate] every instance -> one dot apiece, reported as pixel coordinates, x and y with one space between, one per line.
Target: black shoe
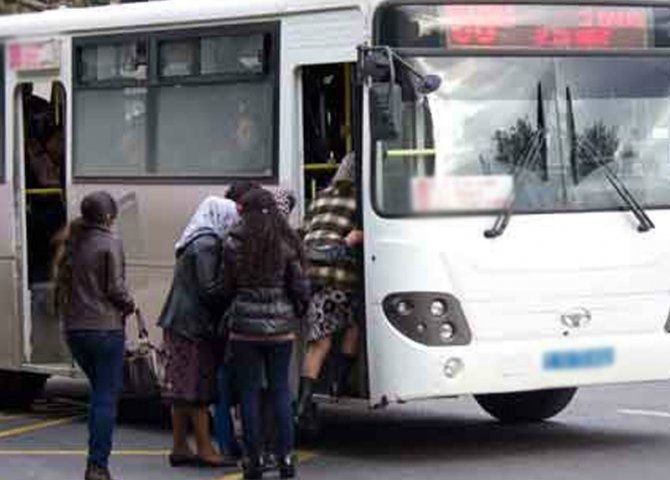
269 462
252 468
182 459
287 467
96 472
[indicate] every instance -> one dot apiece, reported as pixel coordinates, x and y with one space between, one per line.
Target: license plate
577 359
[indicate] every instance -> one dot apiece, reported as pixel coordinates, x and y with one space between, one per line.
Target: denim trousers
100 356
251 359
223 422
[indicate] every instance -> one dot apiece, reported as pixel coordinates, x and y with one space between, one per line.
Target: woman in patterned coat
331 226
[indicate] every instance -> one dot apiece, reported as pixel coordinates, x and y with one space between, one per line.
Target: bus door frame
47 61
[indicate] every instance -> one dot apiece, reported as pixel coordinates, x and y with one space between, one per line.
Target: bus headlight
434 319
446 332
403 307
438 308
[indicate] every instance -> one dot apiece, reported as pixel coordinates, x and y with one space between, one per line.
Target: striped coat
330 218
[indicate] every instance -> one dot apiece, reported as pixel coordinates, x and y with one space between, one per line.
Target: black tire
526 407
20 389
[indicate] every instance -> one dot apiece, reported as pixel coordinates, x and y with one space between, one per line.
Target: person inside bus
92 300
267 292
331 227
190 321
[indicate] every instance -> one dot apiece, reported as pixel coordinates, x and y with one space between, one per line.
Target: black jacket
269 310
98 297
194 305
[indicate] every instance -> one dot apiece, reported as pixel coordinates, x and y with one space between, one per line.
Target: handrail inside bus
44 191
419 152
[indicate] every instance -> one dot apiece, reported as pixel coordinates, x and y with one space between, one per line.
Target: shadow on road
397 435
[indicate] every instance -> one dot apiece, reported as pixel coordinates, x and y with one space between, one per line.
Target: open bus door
43 215
330 130
40 198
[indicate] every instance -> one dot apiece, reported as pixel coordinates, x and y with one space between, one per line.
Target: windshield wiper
537 148
645 223
528 163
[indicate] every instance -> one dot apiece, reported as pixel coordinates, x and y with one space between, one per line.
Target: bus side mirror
385 111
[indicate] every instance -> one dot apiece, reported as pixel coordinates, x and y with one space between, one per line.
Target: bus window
178 105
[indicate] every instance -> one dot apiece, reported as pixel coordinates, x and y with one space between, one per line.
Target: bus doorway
330 131
42 185
327 92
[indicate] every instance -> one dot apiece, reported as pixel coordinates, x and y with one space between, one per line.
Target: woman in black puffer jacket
267 292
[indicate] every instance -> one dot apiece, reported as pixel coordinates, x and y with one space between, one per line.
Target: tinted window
178 105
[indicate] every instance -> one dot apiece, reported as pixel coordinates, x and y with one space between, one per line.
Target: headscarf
215 215
285 201
346 171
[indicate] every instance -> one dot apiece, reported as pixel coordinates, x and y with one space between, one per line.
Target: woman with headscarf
190 321
331 226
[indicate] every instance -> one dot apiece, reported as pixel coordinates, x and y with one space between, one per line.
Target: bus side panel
151 219
10 337
10 325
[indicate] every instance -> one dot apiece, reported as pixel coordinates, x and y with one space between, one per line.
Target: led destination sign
514 26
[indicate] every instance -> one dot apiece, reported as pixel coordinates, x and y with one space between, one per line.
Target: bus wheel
522 407
20 389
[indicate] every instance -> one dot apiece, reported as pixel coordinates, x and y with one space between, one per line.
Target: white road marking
645 413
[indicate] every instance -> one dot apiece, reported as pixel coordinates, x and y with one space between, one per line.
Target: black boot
306 412
252 468
305 396
96 472
287 467
340 387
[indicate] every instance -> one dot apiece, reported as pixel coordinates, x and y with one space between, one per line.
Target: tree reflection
512 144
598 139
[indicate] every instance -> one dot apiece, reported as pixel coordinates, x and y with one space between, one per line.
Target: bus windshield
460 146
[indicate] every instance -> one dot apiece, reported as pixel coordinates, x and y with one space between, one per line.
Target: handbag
330 254
142 365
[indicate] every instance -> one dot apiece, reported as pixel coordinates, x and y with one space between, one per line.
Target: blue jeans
223 423
251 359
100 356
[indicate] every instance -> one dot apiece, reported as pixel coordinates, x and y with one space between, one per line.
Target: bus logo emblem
578 317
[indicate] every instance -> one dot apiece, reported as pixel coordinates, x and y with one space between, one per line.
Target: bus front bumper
402 370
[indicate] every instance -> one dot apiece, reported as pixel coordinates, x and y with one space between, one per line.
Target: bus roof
154 14
163 13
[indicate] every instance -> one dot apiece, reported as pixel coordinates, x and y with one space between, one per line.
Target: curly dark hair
267 240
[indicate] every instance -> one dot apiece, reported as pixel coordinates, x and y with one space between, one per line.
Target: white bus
513 162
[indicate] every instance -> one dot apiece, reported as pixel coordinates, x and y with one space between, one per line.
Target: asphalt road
607 433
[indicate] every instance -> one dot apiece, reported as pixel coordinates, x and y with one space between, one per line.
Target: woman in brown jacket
93 302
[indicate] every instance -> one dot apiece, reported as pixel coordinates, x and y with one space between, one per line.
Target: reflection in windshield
486 111
605 141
